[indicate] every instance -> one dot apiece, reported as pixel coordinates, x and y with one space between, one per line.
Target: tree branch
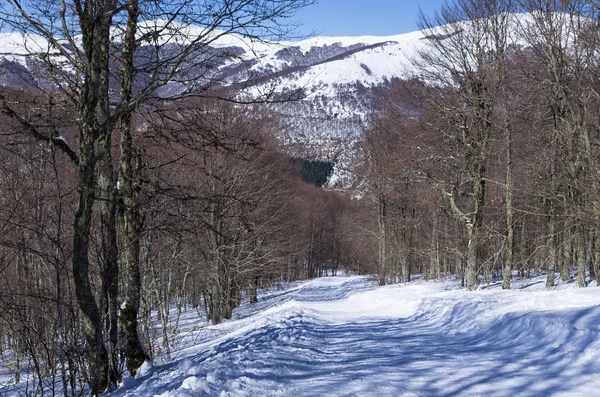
58 141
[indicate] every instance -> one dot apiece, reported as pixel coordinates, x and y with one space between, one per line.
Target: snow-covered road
343 336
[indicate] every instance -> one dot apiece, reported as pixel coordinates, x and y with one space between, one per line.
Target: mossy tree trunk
130 180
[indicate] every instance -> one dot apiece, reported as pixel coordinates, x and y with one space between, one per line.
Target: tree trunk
130 192
109 251
215 299
254 290
381 240
596 255
552 251
408 260
434 256
93 130
471 266
567 259
130 220
510 234
581 256
92 324
474 232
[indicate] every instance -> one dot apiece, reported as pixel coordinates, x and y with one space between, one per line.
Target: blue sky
364 17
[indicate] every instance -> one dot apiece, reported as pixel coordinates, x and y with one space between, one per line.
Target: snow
390 57
385 61
185 33
350 40
345 336
15 46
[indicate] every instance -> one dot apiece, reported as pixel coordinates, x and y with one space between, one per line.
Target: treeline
486 161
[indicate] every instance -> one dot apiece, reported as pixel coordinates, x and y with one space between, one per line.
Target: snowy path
343 336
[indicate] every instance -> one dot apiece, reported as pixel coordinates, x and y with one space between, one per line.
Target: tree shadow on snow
524 355
440 351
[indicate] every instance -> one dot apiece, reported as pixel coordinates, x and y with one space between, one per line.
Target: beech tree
504 95
235 179
38 320
463 63
562 36
107 58
390 164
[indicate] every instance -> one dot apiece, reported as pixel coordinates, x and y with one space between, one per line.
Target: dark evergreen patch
313 171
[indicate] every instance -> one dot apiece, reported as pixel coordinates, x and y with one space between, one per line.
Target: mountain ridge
334 74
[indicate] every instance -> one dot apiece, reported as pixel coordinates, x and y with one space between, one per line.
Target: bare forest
124 202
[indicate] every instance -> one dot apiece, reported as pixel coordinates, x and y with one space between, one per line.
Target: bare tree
467 44
157 43
559 34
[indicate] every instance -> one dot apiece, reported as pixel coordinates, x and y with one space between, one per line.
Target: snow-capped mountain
334 74
337 75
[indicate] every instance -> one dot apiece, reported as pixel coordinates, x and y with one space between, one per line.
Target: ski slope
344 336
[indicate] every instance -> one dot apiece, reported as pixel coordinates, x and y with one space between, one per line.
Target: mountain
335 76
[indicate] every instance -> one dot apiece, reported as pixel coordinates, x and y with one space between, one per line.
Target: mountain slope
324 67
311 63
334 74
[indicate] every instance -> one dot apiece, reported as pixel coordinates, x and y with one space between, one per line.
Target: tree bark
434 254
381 240
581 257
596 255
567 259
92 324
510 232
109 251
130 187
130 194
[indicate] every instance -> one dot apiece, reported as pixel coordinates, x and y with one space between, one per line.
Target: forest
124 202
500 135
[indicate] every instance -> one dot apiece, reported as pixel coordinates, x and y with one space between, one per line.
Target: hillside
334 75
